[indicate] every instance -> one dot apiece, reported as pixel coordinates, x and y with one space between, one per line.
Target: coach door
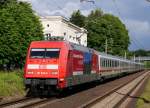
87 62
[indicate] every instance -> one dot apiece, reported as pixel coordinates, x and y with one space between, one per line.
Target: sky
135 14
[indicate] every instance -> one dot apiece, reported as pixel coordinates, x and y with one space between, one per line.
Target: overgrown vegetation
140 52
11 83
147 64
144 102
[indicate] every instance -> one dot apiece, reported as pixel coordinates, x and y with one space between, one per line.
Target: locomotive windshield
44 53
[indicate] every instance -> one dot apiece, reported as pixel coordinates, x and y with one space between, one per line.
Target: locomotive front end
42 68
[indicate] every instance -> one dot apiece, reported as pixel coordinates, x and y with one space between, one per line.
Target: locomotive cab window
52 53
44 53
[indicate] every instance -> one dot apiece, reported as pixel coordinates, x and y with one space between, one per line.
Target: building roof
65 20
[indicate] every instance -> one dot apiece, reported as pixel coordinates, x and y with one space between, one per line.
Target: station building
58 26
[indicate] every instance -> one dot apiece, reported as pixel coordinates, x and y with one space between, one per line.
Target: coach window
101 62
116 65
113 63
120 63
110 63
123 64
107 63
104 62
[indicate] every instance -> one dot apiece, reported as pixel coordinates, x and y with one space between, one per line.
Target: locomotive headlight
54 73
29 72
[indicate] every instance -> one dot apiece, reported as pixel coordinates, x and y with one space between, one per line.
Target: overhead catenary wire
59 6
134 41
119 13
90 1
135 44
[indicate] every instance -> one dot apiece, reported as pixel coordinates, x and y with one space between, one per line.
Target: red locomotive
55 65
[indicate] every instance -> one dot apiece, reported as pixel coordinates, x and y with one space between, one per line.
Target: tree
95 14
104 28
108 28
18 27
77 18
5 2
141 52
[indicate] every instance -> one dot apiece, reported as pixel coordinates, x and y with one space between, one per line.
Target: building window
47 25
64 33
47 36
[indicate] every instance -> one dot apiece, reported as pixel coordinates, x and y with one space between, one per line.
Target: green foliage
4 3
77 18
95 14
11 83
147 64
18 27
141 52
102 27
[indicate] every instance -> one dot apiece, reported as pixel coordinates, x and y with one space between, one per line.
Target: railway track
88 98
91 97
116 97
26 102
4 104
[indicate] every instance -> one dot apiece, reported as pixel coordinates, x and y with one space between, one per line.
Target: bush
11 83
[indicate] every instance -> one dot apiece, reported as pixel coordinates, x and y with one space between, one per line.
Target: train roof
70 45
90 50
104 55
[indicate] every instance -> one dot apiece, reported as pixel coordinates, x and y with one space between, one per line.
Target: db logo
42 67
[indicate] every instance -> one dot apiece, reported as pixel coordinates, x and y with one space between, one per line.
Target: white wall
59 26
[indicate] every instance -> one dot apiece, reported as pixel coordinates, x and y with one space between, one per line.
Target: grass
147 64
146 96
11 83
